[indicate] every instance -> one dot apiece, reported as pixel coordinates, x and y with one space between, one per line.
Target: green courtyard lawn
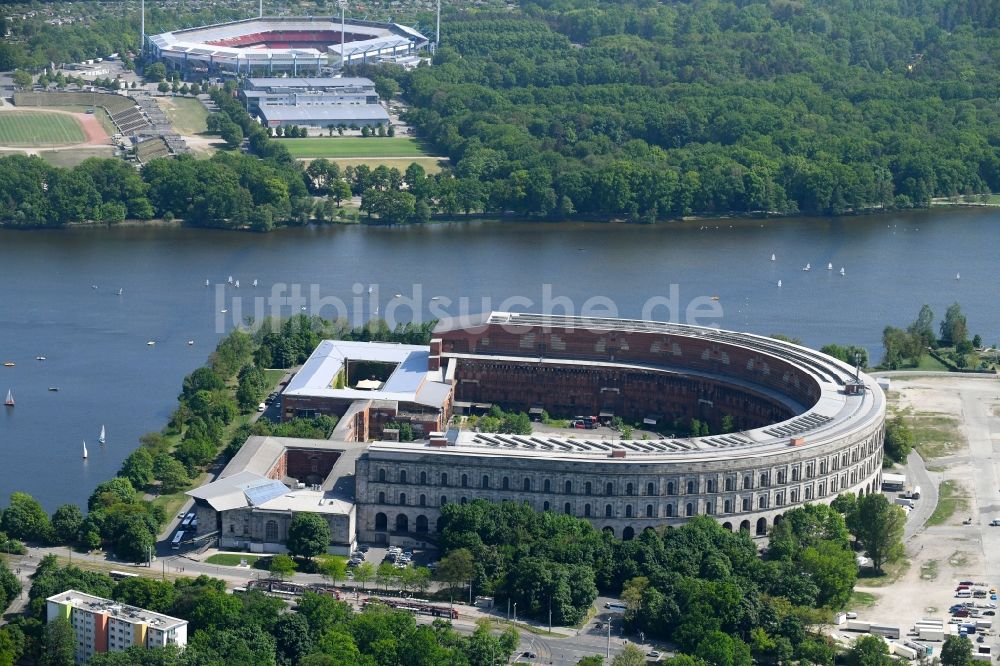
353 146
232 559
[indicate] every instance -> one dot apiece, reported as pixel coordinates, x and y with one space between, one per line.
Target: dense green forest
649 110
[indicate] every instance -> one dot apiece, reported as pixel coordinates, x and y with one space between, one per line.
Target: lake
60 300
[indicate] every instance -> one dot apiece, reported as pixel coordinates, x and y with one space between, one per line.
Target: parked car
995 522
961 612
528 654
989 613
261 407
653 654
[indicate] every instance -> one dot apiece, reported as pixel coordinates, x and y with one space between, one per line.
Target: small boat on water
829 267
779 283
435 298
190 342
807 267
237 284
85 449
151 343
842 271
9 364
715 298
773 258
206 283
103 438
223 310
255 282
958 276
93 286
398 296
10 399
370 290
230 280
54 389
39 358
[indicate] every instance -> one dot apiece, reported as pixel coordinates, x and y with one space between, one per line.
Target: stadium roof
309 83
272 112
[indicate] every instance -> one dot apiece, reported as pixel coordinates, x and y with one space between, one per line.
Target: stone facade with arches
810 428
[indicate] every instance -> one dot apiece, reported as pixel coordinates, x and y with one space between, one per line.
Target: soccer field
38 128
353 146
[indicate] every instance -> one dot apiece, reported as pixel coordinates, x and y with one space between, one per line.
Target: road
917 475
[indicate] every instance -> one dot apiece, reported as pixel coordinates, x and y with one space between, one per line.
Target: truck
858 625
912 493
930 633
893 481
886 630
903 501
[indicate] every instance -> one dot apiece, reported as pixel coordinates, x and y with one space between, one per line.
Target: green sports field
353 146
38 128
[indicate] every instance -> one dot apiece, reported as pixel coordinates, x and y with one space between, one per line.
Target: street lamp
515 612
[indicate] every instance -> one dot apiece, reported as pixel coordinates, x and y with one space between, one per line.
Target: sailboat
370 290
958 276
255 282
773 258
103 437
237 284
779 283
84 449
230 280
842 272
829 267
10 399
120 291
807 267
206 283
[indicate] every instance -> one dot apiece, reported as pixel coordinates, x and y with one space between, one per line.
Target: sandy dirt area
938 556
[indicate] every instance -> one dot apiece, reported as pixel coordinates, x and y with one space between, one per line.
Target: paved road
917 475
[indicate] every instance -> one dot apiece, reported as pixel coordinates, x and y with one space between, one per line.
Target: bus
121 575
188 520
177 540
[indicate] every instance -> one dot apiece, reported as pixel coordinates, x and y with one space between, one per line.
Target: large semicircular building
788 425
283 45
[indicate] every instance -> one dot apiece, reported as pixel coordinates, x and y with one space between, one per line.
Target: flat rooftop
243 483
410 381
93 604
310 84
324 112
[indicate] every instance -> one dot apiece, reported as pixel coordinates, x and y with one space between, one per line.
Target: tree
171 472
138 467
10 587
457 567
21 79
163 87
340 190
232 134
291 635
899 439
59 647
592 660
923 326
308 535
155 72
956 651
630 656
720 649
334 569
869 651
281 566
135 542
66 522
364 574
878 526
108 493
25 519
954 328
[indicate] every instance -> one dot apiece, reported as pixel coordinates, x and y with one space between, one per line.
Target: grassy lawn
891 572
38 128
353 146
273 376
431 165
935 435
186 114
68 157
929 363
862 600
232 559
951 498
929 570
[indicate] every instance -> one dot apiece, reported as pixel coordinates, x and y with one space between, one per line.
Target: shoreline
507 217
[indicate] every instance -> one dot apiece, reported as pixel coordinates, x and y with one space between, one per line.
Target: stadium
805 427
784 425
276 45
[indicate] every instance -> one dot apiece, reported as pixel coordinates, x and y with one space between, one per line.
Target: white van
964 594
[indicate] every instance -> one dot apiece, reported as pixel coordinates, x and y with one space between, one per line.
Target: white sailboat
103 438
237 284
807 267
842 271
370 290
829 267
84 449
779 283
255 282
120 291
206 283
10 399
230 280
773 258
958 276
